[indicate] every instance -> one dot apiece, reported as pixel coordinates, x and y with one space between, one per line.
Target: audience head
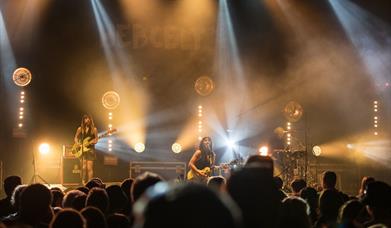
142 182
35 202
378 196
95 182
310 195
350 212
165 205
364 183
10 183
94 217
15 198
295 213
329 180
97 197
261 162
83 189
117 199
58 196
278 181
216 183
254 191
70 198
297 185
68 218
126 185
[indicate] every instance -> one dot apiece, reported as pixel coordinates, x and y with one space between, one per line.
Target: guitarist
202 159
87 129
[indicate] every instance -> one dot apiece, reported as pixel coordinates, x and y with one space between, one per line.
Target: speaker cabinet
70 171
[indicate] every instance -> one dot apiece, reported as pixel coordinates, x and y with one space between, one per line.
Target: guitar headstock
111 131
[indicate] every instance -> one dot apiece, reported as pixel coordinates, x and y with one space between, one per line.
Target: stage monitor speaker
71 171
168 170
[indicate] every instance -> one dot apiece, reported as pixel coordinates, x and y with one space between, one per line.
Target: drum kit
291 162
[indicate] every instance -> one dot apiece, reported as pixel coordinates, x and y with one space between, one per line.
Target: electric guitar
83 147
194 176
207 171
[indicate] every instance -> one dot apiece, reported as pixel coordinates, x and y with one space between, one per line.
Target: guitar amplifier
168 170
70 171
67 151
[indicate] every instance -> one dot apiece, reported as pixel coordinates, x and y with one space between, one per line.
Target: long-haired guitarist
202 161
87 132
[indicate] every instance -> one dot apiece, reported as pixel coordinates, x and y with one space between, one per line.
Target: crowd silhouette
249 197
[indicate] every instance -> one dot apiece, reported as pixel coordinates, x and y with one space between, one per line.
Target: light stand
36 176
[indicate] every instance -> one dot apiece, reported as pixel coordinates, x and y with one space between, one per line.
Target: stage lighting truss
376 122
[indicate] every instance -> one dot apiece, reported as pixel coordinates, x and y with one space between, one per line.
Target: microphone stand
82 157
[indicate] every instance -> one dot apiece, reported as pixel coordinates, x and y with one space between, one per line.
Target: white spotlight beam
369 35
7 59
229 66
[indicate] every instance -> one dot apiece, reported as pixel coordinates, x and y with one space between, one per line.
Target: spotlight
44 148
349 146
263 151
317 151
20 125
139 147
176 148
231 144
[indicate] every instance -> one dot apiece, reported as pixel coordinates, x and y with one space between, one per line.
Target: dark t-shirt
6 207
